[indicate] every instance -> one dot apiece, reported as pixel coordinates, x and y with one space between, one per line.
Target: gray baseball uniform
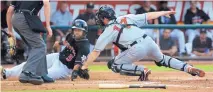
144 46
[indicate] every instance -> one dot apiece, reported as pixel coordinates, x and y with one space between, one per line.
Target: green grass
117 90
207 68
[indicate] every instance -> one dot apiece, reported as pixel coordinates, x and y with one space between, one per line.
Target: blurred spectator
89 17
194 16
4 39
61 17
202 45
144 9
210 33
175 33
167 44
163 6
3 14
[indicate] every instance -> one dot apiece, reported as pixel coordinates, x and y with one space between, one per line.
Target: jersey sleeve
139 19
105 38
69 38
204 16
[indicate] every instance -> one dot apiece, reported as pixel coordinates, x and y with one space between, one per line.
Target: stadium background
129 7
126 7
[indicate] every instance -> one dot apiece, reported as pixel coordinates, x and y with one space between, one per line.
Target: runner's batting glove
74 75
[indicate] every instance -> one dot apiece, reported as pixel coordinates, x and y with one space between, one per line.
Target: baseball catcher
125 33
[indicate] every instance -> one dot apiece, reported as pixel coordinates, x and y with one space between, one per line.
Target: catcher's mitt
83 73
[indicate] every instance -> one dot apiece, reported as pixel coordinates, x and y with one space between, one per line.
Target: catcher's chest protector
120 46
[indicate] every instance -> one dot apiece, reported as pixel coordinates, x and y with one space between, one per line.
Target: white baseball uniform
56 69
145 46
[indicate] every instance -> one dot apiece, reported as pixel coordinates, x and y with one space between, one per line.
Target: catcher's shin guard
109 63
132 70
174 63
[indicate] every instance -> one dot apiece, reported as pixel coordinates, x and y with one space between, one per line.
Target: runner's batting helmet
80 24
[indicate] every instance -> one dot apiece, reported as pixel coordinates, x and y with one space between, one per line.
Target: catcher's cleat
194 71
144 76
3 72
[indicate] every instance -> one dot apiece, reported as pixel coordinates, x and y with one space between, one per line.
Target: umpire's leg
36 62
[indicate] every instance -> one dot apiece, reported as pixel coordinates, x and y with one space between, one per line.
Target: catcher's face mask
99 19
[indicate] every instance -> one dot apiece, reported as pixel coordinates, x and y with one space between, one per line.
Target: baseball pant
56 69
145 47
36 61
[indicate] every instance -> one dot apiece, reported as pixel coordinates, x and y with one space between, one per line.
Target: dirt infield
174 80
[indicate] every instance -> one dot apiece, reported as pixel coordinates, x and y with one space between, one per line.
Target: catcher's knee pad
114 68
129 70
164 62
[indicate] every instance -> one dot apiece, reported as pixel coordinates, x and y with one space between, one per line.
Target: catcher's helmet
80 24
104 12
